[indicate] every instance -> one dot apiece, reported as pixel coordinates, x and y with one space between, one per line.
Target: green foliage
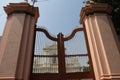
86 69
115 13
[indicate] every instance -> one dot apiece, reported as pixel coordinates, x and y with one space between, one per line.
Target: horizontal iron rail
76 55
56 76
79 75
57 55
45 56
45 76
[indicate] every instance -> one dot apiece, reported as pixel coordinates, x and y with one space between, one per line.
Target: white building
50 64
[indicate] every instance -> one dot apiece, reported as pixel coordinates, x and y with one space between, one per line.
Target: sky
55 15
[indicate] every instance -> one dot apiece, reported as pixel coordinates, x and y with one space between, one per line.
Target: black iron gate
61 58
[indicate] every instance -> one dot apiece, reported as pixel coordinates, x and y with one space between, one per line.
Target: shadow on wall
119 37
0 38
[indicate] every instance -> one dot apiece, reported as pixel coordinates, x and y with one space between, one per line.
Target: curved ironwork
47 34
63 73
73 33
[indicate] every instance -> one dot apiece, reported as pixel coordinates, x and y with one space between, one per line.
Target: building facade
48 62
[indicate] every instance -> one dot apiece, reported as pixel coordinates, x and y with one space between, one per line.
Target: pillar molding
16 46
94 8
22 8
103 43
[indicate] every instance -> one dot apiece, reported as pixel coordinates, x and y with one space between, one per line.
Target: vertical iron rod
61 57
33 51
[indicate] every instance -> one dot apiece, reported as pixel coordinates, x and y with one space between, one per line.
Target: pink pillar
17 41
103 43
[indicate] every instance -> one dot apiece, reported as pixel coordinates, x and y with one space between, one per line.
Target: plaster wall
11 42
103 46
17 42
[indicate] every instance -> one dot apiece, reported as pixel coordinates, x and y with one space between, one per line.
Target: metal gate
61 58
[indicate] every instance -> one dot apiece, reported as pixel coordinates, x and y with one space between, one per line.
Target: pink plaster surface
16 44
103 42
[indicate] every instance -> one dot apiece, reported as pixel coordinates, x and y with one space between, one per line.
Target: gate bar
61 57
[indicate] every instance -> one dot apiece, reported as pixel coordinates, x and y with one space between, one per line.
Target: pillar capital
22 8
94 8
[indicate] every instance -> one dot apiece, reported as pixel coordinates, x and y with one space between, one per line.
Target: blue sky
2 13
56 15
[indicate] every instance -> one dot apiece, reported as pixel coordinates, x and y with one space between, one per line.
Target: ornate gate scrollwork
61 58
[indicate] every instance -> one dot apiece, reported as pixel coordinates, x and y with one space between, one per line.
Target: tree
115 13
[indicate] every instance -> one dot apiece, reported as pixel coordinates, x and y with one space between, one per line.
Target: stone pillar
17 41
103 43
